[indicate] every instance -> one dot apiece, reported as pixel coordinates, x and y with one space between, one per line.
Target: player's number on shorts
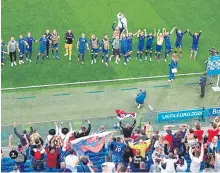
118 149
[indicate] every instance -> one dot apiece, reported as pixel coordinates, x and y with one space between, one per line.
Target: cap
52 132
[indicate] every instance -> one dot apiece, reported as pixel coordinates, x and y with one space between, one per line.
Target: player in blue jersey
81 45
29 39
195 44
130 39
21 46
168 47
124 47
173 67
149 45
141 37
42 49
94 43
3 52
105 49
160 38
118 150
179 38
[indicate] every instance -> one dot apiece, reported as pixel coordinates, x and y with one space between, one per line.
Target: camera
213 51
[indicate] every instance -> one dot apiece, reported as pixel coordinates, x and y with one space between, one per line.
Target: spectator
21 150
72 161
52 133
101 129
198 132
212 132
15 169
155 167
21 137
217 161
52 154
142 146
84 131
169 138
177 138
110 166
127 131
128 153
196 160
154 138
181 165
213 146
148 129
136 134
137 159
170 163
38 155
118 150
63 168
143 136
158 154
84 165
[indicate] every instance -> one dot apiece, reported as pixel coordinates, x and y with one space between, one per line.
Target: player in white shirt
71 161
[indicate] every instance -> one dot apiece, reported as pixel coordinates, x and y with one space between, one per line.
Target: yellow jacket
142 147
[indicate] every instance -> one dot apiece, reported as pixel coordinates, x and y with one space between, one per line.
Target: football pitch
20 17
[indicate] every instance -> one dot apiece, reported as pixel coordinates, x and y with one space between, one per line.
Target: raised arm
120 123
133 125
190 34
113 26
200 32
77 45
155 32
119 15
190 153
202 153
27 142
89 128
10 141
31 128
145 32
164 31
158 32
57 129
15 131
172 30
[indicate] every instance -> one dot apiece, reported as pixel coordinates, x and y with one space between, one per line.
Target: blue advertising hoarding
188 114
213 65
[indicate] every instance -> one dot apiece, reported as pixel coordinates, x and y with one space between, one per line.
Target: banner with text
188 114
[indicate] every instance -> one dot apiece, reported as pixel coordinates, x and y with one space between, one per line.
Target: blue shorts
158 48
21 53
42 50
117 159
94 51
149 47
30 49
168 47
55 46
124 51
81 51
140 48
2 57
106 52
130 48
178 45
194 47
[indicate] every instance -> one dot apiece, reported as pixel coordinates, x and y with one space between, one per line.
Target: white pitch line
96 81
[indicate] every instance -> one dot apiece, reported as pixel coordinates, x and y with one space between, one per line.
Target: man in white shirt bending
122 22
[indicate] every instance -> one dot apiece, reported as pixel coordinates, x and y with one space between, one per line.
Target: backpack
37 155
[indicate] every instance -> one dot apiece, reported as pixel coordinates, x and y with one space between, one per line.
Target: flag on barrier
122 114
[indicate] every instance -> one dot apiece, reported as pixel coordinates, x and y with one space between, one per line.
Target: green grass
96 17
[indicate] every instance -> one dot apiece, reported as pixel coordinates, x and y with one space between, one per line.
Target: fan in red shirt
212 132
52 154
169 138
198 132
